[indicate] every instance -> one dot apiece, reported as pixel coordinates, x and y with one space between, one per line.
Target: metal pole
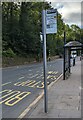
64 56
69 61
44 59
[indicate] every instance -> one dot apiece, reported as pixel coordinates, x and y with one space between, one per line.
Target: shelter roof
73 44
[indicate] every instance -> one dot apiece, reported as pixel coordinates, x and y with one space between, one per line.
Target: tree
75 32
10 15
21 27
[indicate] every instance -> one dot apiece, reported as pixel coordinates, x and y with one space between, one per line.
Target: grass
7 61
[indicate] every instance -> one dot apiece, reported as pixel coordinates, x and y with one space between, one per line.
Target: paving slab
64 98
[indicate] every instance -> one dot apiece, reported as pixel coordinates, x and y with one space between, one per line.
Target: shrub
8 53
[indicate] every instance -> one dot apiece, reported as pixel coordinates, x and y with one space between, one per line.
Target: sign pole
44 59
49 26
64 56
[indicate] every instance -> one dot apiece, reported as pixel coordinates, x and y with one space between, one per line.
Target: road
22 84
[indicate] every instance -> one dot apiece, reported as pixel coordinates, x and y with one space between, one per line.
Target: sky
71 11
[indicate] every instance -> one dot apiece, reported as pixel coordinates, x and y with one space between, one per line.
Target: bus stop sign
51 21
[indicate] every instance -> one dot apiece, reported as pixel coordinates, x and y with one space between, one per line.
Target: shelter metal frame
70 46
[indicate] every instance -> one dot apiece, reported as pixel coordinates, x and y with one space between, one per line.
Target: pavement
64 98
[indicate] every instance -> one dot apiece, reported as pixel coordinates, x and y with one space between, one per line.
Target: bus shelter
68 48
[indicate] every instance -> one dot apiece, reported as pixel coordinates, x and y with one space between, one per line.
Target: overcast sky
71 11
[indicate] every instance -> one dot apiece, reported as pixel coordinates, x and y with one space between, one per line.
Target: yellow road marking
5 83
8 91
4 91
56 72
31 105
51 77
50 72
21 83
35 84
26 83
10 96
37 99
52 83
17 98
53 72
42 85
31 83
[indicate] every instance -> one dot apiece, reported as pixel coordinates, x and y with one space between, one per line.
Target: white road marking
33 76
20 78
39 76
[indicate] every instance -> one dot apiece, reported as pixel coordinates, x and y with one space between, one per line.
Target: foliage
21 27
9 53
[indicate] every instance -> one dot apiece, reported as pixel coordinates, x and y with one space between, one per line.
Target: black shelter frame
70 46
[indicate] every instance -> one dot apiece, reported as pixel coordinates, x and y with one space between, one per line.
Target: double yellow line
37 99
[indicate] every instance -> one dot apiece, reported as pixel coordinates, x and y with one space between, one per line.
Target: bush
8 53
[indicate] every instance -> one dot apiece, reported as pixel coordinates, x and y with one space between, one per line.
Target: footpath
64 98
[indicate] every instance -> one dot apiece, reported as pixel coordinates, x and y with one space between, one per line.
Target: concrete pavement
64 98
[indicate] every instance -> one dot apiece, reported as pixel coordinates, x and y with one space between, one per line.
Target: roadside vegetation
21 27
